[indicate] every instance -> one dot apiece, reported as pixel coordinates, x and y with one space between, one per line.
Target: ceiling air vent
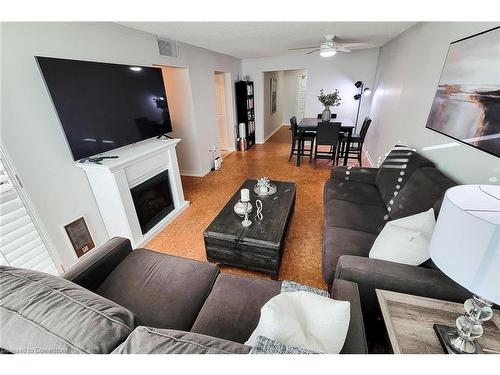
167 47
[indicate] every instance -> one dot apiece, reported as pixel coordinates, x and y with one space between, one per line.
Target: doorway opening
224 113
285 95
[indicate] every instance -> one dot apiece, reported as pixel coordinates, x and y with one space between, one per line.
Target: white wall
337 72
182 115
272 121
30 129
289 94
408 73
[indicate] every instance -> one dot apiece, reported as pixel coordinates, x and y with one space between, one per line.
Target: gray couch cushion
397 167
232 310
363 217
424 189
352 191
342 241
145 340
163 291
44 313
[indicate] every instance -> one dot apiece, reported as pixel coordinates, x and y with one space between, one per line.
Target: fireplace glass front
152 200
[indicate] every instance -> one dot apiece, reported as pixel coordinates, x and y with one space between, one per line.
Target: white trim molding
368 157
260 142
191 173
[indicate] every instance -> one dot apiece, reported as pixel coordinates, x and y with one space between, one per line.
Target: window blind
21 244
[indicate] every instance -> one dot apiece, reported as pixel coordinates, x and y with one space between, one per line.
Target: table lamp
466 246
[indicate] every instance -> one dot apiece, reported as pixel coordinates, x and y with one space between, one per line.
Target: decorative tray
272 190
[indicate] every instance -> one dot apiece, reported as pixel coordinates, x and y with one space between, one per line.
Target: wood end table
410 320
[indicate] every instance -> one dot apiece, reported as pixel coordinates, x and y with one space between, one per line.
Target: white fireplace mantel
112 180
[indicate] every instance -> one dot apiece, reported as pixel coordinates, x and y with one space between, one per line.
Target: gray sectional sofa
357 204
116 300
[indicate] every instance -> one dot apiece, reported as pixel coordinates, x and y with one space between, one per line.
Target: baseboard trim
191 173
368 157
270 135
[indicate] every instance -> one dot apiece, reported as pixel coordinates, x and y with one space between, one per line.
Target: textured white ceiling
264 39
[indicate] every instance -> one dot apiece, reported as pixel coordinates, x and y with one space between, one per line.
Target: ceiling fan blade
316 50
353 45
341 40
293 49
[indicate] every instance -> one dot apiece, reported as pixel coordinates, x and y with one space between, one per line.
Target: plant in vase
329 100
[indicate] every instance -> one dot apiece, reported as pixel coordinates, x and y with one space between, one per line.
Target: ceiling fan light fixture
327 52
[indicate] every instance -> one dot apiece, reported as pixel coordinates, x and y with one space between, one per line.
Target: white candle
245 195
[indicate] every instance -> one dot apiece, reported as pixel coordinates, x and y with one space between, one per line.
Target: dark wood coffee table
259 247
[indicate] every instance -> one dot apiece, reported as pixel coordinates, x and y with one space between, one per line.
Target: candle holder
246 222
244 207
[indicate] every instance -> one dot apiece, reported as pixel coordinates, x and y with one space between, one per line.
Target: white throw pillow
405 240
304 320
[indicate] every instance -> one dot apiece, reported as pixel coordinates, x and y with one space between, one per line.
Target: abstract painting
274 90
466 106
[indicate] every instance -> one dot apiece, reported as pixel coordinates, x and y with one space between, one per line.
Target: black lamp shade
358 84
357 96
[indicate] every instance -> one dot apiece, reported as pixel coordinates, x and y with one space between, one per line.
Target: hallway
207 195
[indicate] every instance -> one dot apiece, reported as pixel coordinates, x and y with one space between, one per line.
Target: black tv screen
105 106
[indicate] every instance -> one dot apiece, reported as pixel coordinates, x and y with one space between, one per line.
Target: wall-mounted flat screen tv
105 106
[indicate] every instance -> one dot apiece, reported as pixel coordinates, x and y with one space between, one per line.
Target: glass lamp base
454 344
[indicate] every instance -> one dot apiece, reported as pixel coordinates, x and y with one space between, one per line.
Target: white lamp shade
466 241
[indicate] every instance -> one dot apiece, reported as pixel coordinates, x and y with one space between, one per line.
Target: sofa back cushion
396 169
41 313
424 190
146 340
163 291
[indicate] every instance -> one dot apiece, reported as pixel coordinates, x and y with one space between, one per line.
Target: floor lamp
362 91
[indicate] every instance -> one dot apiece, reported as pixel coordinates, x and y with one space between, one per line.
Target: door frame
298 90
230 107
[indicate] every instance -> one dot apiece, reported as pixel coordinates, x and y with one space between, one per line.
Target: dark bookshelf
245 109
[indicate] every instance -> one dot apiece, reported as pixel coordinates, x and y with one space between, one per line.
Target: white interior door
301 96
220 102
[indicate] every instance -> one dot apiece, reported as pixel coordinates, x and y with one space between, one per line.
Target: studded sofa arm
364 175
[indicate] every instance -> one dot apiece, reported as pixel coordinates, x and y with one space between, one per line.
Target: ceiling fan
332 45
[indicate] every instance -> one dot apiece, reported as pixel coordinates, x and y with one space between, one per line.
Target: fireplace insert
152 200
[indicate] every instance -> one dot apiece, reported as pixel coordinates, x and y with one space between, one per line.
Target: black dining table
310 124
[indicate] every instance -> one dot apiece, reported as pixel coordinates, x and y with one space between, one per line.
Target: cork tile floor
208 195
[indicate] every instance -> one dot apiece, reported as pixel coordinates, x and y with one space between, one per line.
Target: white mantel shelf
112 180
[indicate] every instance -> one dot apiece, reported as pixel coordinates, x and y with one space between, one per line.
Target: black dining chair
320 116
356 146
300 138
327 135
